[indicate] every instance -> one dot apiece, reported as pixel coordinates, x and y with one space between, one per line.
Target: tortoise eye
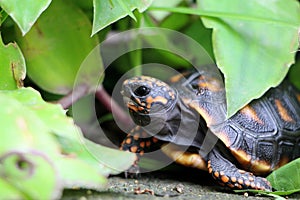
142 91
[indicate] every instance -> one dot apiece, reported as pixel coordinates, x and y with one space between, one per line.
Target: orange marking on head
176 78
132 107
160 99
251 113
283 111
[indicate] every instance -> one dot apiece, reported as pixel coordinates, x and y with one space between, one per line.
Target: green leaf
24 13
106 12
70 167
38 132
116 160
106 160
283 180
7 191
12 67
159 15
254 44
57 45
22 127
32 174
198 32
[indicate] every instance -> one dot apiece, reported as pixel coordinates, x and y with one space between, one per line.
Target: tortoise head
147 97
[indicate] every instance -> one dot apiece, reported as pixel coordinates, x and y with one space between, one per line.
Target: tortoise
191 107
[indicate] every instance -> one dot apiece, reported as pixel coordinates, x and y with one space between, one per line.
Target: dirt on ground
173 185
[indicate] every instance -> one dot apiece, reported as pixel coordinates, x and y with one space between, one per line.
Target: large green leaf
287 178
108 11
56 46
70 137
12 66
24 13
25 149
38 137
27 170
254 44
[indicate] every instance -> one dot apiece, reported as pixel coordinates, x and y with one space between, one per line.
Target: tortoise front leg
228 174
139 142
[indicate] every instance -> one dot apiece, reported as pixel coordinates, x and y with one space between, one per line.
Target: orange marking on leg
240 181
142 153
128 141
247 183
148 143
225 179
233 179
142 144
154 139
216 174
134 149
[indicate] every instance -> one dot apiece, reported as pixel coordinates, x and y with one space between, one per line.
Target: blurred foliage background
49 53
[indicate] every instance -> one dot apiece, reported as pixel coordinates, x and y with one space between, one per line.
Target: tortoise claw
133 172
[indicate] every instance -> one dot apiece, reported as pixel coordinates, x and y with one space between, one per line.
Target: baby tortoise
258 139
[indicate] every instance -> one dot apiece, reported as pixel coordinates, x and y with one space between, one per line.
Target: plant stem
73 96
111 105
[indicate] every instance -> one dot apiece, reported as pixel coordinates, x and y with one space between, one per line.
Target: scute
262 135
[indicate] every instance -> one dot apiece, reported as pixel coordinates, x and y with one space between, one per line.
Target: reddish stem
73 96
110 104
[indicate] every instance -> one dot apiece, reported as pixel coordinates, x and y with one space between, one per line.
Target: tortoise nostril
142 91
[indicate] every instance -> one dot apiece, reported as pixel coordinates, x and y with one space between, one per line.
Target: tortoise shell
261 137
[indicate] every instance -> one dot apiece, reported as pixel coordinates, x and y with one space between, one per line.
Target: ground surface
161 185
